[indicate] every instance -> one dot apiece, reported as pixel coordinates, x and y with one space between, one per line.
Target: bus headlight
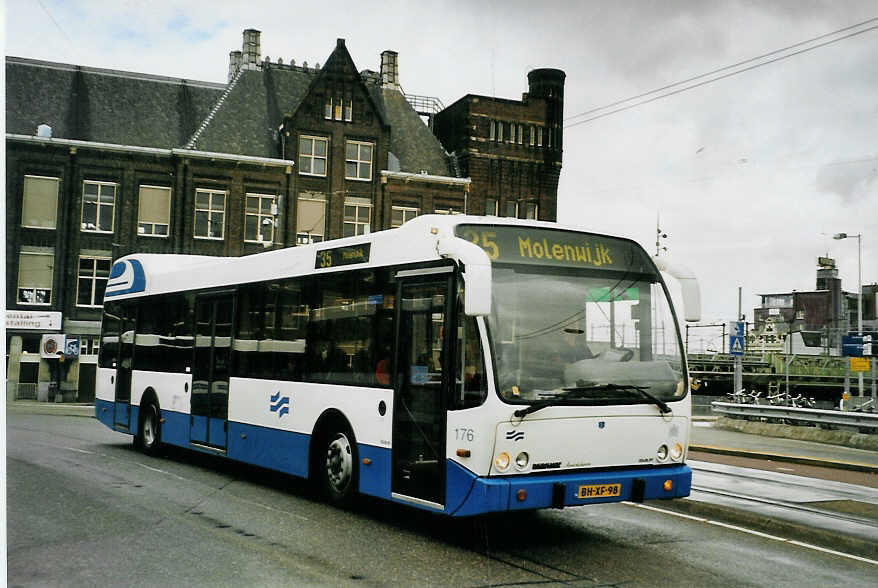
501 462
676 452
521 460
662 452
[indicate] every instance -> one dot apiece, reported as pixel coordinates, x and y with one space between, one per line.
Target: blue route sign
858 345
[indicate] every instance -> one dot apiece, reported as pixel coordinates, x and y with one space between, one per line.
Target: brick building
103 163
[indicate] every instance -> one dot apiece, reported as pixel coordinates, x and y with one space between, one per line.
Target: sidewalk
708 439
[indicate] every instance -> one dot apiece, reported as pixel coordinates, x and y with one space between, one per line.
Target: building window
532 211
512 209
358 161
402 214
520 134
310 221
499 131
39 208
259 218
210 214
154 211
357 217
511 133
533 135
493 131
98 205
539 136
327 110
312 155
35 270
491 206
349 110
89 345
93 275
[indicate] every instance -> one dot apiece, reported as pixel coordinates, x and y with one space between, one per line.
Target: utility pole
738 383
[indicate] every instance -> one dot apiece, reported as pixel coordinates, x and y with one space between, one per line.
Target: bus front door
124 367
210 372
421 380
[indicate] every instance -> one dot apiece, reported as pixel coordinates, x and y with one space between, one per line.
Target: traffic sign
736 328
858 345
736 344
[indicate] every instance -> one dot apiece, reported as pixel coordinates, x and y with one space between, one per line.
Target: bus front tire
338 466
149 430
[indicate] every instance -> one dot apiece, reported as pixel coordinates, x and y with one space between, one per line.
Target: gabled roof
251 113
417 149
102 105
127 108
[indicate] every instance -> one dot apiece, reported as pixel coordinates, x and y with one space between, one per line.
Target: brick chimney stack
390 70
252 49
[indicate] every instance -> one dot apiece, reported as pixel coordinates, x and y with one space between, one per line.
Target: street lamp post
859 236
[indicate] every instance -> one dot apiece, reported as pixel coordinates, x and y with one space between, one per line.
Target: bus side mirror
688 287
477 290
476 267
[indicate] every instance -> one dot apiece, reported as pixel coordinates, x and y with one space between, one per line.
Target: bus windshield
578 318
557 330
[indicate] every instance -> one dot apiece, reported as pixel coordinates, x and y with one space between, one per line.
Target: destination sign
526 245
339 256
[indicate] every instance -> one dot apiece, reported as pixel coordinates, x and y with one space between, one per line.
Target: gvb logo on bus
280 405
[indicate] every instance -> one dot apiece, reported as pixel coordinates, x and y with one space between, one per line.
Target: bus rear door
124 367
420 386
210 371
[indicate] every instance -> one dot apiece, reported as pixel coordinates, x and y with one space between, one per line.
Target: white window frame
359 161
153 226
312 156
492 133
93 278
360 228
446 211
33 288
349 110
520 133
210 211
539 136
533 135
408 213
98 205
327 108
261 217
24 195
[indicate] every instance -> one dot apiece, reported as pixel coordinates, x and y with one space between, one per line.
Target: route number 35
485 240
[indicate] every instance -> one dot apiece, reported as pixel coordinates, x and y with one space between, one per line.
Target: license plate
599 491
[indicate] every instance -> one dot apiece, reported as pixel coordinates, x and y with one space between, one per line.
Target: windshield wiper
580 392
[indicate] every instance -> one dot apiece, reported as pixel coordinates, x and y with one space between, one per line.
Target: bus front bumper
534 491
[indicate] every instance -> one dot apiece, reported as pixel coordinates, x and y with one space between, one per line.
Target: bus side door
420 386
124 367
210 371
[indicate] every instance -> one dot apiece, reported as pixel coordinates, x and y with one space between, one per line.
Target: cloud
853 181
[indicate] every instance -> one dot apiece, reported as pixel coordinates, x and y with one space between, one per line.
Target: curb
800 459
784 529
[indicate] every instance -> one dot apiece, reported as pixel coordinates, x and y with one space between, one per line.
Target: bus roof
418 240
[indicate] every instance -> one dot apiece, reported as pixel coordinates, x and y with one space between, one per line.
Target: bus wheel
149 429
339 471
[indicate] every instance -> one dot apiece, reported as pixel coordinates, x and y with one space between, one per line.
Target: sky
750 175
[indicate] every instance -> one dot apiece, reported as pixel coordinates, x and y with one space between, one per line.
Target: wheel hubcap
339 464
149 428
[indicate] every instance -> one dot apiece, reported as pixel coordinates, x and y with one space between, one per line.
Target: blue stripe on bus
482 495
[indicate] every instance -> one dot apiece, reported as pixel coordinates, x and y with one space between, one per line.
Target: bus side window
472 388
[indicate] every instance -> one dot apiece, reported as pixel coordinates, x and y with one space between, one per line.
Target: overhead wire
721 77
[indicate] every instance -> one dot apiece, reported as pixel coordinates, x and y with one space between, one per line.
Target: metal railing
867 422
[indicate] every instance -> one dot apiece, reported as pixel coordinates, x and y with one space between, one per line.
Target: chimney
252 49
389 70
235 61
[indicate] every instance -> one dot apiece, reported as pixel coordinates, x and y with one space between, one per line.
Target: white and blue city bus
459 364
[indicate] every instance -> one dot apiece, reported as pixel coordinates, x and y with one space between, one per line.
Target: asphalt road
85 509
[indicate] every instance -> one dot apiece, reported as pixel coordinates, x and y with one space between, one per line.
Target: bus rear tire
337 465
149 430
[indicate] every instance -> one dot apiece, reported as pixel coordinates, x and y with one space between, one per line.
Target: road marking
79 450
756 533
143 465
